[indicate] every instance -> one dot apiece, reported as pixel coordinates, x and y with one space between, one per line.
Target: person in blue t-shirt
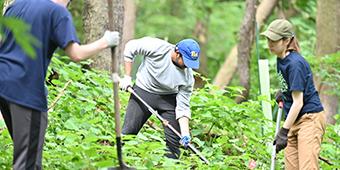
304 126
23 101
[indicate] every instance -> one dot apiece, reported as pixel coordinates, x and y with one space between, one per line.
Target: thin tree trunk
327 25
225 75
201 32
246 40
129 21
265 8
96 23
229 67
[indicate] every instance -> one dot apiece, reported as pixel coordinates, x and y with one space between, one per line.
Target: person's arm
183 113
128 67
184 125
146 47
297 73
82 52
126 81
281 138
131 50
294 109
296 79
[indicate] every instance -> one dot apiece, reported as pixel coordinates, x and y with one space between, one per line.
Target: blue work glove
185 140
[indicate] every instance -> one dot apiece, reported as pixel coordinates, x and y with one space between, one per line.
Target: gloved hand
279 96
112 38
185 140
125 82
281 139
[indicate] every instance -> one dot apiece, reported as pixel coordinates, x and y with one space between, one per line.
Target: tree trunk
201 32
96 23
129 21
264 10
229 67
246 39
327 25
225 74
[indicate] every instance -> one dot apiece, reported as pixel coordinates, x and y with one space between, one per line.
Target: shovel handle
278 119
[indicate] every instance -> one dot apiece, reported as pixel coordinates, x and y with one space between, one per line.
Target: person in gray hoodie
165 81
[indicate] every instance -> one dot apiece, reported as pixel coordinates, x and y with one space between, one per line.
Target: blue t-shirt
22 79
295 75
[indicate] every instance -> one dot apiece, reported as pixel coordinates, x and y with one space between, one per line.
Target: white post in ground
265 87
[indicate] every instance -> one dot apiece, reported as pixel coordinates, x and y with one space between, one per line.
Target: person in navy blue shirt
23 100
304 126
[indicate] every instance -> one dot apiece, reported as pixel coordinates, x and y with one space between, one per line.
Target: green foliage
1 5
81 125
328 69
331 147
81 134
174 20
233 133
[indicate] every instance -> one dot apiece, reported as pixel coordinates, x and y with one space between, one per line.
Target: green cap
278 29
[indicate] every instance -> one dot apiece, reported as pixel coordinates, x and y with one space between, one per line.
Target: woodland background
228 125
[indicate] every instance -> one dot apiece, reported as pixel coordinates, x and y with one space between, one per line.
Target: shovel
278 119
115 79
166 123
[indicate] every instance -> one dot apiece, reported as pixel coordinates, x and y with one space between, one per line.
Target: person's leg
6 114
309 140
171 139
29 128
291 151
136 114
42 132
166 105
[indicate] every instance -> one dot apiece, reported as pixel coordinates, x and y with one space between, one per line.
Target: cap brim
191 63
271 35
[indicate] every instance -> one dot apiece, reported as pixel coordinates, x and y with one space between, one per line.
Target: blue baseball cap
190 51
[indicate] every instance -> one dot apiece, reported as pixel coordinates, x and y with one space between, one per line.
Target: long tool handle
115 79
166 123
278 119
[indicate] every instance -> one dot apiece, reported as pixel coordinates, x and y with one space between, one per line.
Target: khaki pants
304 142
